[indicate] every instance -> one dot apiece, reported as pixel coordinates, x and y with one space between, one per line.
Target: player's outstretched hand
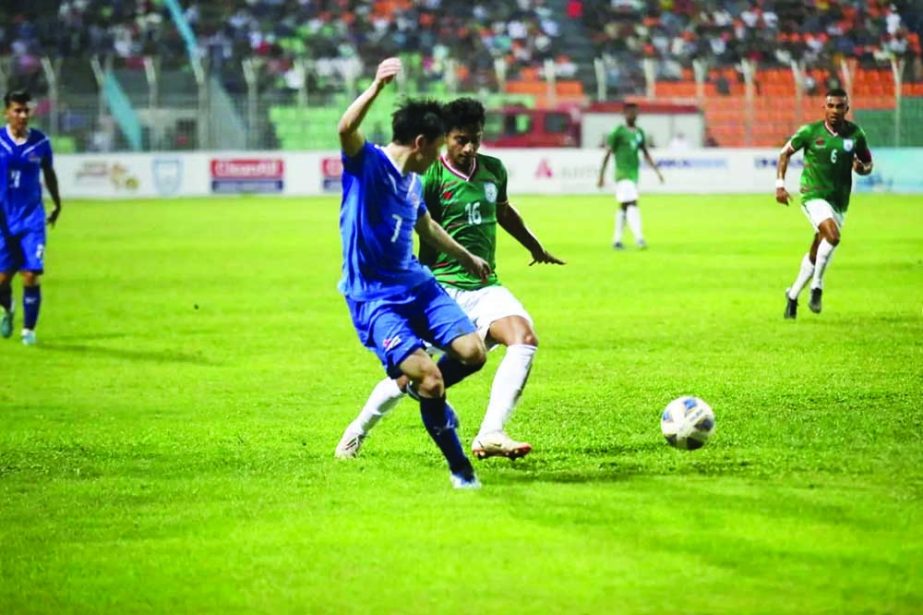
387 70
53 216
782 196
544 256
600 182
477 266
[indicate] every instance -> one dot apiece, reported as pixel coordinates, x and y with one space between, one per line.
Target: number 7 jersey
465 205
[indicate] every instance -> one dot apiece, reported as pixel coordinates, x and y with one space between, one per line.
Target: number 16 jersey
465 205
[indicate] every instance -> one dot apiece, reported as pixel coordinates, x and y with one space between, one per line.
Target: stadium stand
645 48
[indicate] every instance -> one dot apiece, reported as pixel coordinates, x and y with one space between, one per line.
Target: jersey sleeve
801 138
353 164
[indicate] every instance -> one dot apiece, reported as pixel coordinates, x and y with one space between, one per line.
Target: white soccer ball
687 422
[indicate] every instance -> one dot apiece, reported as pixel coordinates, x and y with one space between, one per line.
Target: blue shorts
395 327
23 250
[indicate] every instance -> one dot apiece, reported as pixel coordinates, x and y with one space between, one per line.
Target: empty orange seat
569 88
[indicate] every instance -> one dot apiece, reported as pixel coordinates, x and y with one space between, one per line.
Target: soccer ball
687 422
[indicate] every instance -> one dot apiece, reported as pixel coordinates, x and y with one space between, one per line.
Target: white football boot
498 444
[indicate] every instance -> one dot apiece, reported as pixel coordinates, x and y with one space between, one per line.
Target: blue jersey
23 203
377 216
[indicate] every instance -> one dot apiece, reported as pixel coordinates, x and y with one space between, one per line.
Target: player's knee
529 338
431 383
475 354
30 278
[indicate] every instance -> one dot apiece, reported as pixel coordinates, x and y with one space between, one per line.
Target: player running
24 154
624 142
833 149
466 193
394 301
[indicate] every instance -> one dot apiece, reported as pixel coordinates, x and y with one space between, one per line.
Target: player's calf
6 322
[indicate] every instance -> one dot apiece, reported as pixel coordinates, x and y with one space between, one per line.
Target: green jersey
466 207
828 160
625 143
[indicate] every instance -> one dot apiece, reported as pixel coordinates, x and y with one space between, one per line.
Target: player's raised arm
351 140
51 182
433 234
511 221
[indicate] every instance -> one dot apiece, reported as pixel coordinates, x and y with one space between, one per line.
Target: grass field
168 445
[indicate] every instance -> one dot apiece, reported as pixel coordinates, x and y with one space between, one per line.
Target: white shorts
487 305
818 210
626 191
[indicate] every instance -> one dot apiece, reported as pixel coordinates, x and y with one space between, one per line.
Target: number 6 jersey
828 160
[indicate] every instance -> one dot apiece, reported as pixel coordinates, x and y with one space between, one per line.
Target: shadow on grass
153 356
613 464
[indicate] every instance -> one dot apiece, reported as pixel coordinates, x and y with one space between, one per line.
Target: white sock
619 225
804 274
634 222
824 254
384 396
509 381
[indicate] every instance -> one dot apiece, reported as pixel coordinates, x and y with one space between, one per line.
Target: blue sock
454 371
31 302
440 422
6 297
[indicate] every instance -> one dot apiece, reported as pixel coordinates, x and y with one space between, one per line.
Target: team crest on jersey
848 144
820 143
490 192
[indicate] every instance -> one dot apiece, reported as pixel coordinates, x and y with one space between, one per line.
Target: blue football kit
23 236
394 301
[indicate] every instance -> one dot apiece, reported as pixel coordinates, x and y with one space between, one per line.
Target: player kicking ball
395 303
833 149
466 193
25 155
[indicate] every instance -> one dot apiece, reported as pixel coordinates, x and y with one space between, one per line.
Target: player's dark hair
837 92
417 117
631 105
21 97
464 113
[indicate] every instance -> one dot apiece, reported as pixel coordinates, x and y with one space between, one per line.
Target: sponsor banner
551 171
531 171
896 170
331 169
129 175
247 175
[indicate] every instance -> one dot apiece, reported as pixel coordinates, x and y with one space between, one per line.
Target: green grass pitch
168 444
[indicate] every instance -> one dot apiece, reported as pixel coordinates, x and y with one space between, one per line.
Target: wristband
780 183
